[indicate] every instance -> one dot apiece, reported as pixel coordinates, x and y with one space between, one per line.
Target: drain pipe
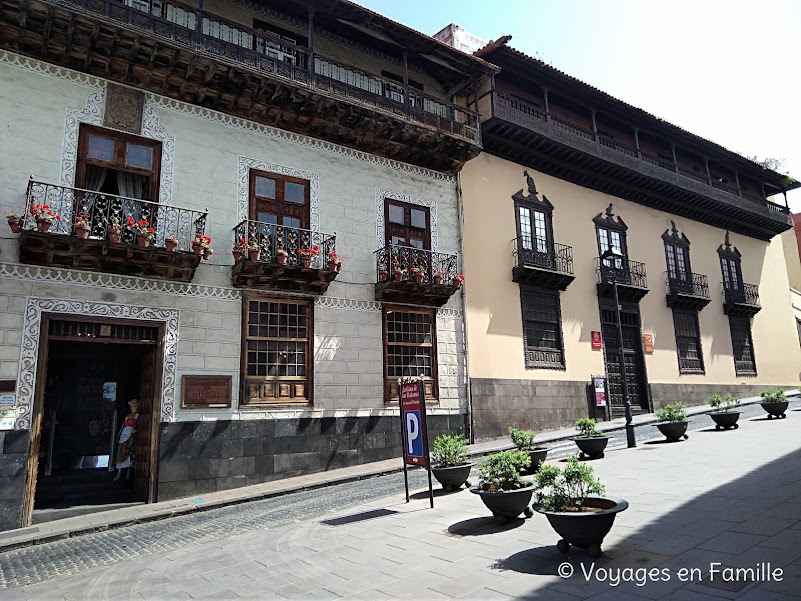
460 206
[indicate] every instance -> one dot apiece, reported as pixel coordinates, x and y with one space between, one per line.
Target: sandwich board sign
415 433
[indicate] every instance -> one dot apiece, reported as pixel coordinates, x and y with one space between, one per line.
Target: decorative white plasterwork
449 313
35 307
196 111
330 302
383 193
92 114
243 186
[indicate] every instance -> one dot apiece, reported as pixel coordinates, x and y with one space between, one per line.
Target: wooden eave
261 275
541 277
87 42
412 293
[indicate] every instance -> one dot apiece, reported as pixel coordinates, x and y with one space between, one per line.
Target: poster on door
599 384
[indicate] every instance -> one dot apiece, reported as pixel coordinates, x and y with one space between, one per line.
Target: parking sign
413 426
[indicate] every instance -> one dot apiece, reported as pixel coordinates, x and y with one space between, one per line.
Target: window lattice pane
742 345
541 328
688 342
409 346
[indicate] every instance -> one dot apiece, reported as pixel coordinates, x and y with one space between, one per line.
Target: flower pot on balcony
418 278
281 258
198 249
42 225
237 255
437 279
332 266
15 225
207 252
382 275
456 283
306 262
398 276
82 231
254 254
114 236
143 240
171 244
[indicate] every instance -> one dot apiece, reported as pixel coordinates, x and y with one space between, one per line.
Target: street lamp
613 256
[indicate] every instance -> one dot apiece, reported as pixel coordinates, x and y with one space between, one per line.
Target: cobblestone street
728 497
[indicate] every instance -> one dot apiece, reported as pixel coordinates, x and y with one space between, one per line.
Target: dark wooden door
279 200
633 359
144 451
407 225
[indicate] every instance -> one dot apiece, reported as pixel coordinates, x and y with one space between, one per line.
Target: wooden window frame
407 208
120 140
683 368
279 196
432 391
750 338
543 207
536 357
308 380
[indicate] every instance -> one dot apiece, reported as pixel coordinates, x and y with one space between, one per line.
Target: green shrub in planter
523 439
723 404
675 412
566 489
773 396
501 471
587 427
449 450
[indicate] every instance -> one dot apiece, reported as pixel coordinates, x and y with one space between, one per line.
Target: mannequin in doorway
126 440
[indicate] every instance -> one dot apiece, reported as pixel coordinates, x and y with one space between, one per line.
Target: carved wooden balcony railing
540 262
203 58
630 277
60 246
731 203
687 291
396 267
741 300
264 265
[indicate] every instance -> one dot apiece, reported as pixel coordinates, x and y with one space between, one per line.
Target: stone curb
139 514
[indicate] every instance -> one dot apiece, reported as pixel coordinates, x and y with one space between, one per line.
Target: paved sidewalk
115 518
732 498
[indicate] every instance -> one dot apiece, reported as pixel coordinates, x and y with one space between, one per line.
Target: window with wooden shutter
742 344
542 328
688 342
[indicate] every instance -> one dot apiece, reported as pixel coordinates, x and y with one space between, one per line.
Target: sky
724 70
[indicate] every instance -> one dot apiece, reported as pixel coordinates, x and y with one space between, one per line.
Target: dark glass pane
265 187
396 214
100 148
139 156
418 218
291 222
294 193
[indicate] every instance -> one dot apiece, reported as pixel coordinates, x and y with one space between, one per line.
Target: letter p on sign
414 439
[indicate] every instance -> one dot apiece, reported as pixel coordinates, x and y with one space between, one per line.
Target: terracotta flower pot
306 262
170 244
114 236
143 240
197 249
457 283
437 279
332 266
254 254
418 278
15 225
42 225
281 258
237 255
382 275
207 252
398 276
82 231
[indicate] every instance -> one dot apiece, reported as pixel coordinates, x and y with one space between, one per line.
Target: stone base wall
527 404
698 394
14 446
202 457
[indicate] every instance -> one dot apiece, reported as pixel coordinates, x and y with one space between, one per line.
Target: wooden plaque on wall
205 392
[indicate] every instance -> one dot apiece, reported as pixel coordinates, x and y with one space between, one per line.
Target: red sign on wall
648 343
596 341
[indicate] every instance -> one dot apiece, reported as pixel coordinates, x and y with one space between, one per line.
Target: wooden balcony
542 263
277 264
172 56
741 300
63 245
415 276
689 292
524 133
628 275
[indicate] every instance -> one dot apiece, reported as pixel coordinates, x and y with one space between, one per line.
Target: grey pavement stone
732 542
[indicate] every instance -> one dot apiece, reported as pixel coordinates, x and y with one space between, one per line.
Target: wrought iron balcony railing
532 117
265 52
542 253
692 284
103 210
745 294
407 261
269 239
621 271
